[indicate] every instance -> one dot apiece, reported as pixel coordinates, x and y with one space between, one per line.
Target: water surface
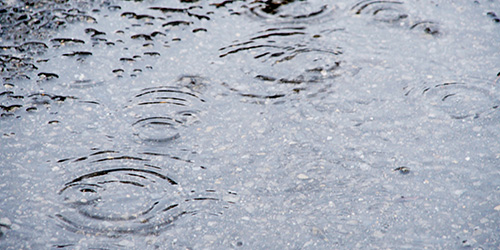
249 124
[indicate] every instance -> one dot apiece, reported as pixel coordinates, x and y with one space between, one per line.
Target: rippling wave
125 194
277 52
395 13
117 59
161 112
292 11
459 100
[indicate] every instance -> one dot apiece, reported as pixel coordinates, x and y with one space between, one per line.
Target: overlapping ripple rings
124 194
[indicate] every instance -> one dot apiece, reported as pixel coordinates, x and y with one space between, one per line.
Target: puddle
249 124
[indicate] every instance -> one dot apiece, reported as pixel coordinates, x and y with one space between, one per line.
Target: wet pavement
249 124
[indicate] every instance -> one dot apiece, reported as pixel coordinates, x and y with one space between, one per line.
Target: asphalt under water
249 124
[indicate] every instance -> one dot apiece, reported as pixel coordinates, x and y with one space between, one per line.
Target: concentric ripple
382 11
276 53
460 100
128 197
394 12
292 11
124 194
161 112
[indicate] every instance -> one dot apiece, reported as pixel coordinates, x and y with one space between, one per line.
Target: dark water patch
43 98
118 72
32 48
24 20
402 170
58 42
78 54
189 12
94 32
493 16
127 59
71 18
175 18
16 68
5 225
19 62
224 3
12 103
263 96
10 108
136 16
170 10
20 57
142 36
6 93
143 26
199 30
152 53
47 75
157 33
123 194
177 23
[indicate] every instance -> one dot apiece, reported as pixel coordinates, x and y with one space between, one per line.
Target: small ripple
385 11
154 129
428 27
459 100
394 12
292 11
161 112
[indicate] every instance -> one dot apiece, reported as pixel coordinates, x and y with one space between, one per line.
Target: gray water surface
249 124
